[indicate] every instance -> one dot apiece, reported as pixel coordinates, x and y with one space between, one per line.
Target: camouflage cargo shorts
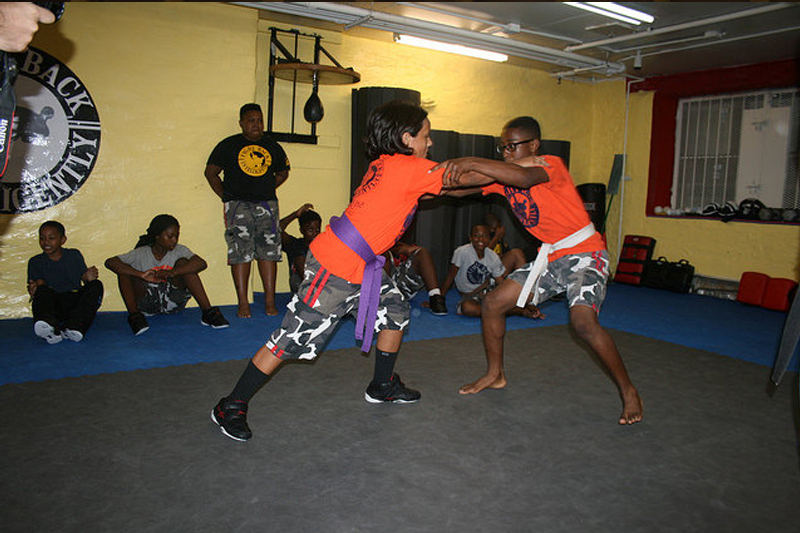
406 278
583 277
252 231
322 300
163 298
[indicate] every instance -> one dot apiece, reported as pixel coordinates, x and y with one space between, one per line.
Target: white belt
540 264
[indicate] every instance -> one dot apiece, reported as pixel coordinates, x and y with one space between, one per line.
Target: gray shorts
252 231
320 303
163 298
582 276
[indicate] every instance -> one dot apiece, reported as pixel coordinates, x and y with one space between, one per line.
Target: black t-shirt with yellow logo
248 167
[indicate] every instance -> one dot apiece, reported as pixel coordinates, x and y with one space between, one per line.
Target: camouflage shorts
252 231
163 298
582 276
406 278
322 300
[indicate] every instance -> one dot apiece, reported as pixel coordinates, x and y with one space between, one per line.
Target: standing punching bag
594 200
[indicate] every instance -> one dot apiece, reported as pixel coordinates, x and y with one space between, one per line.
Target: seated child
65 294
296 249
513 258
159 276
411 268
476 270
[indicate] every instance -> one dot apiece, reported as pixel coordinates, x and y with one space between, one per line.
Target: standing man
253 167
573 257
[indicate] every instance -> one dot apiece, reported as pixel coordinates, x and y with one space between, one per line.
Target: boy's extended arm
477 171
285 221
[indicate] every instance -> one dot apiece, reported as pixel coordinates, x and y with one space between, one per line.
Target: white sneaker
72 334
47 332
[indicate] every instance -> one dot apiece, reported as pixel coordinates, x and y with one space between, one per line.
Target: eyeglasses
501 148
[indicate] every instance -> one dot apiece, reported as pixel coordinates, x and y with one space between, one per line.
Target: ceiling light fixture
451 48
615 11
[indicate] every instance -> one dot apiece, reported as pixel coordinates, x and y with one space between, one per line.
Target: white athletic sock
434 292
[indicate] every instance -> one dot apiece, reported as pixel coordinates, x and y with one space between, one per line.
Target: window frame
667 92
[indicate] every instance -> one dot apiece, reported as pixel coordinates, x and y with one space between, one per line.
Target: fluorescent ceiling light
615 11
451 48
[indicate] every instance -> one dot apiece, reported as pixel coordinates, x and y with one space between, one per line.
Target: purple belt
370 283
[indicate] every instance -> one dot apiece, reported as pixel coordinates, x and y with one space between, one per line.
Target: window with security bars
735 147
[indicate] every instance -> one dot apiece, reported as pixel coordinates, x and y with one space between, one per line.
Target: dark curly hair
386 126
157 225
527 124
308 216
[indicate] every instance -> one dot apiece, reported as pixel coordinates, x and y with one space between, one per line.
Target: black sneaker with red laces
231 417
393 391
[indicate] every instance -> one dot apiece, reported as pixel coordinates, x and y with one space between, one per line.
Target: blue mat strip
724 327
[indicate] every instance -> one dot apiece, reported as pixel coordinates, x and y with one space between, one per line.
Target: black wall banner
56 136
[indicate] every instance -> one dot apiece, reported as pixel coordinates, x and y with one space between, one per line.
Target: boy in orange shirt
574 258
346 262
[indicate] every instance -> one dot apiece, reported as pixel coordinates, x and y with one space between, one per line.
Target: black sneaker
138 323
438 305
394 391
213 317
47 332
231 417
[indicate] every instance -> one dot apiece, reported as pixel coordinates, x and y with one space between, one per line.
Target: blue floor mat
720 326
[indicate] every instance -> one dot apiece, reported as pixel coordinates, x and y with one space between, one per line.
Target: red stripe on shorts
318 290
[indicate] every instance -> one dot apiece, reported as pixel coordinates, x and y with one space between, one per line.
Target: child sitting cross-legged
476 270
65 294
159 276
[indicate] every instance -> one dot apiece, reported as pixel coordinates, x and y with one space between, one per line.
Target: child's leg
241 275
192 283
268 270
423 265
513 259
130 289
493 325
81 316
584 321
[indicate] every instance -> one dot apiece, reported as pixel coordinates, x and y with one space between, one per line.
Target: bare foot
485 382
632 407
243 311
271 310
531 311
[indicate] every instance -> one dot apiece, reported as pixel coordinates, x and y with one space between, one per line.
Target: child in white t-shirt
475 269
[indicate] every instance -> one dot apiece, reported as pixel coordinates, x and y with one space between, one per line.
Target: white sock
434 292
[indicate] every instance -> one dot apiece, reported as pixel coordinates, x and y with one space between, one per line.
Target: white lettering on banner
60 127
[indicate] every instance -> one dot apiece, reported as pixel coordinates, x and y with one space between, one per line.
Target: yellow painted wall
717 249
168 80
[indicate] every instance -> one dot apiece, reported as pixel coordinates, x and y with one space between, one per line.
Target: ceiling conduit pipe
678 27
347 15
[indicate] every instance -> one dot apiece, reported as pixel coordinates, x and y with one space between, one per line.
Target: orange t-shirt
551 211
381 210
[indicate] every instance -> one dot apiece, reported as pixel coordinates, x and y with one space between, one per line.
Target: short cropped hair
308 216
527 124
247 108
386 126
56 225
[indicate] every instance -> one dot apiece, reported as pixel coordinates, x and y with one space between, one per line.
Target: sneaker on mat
72 334
213 317
438 305
138 323
47 332
231 417
393 391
